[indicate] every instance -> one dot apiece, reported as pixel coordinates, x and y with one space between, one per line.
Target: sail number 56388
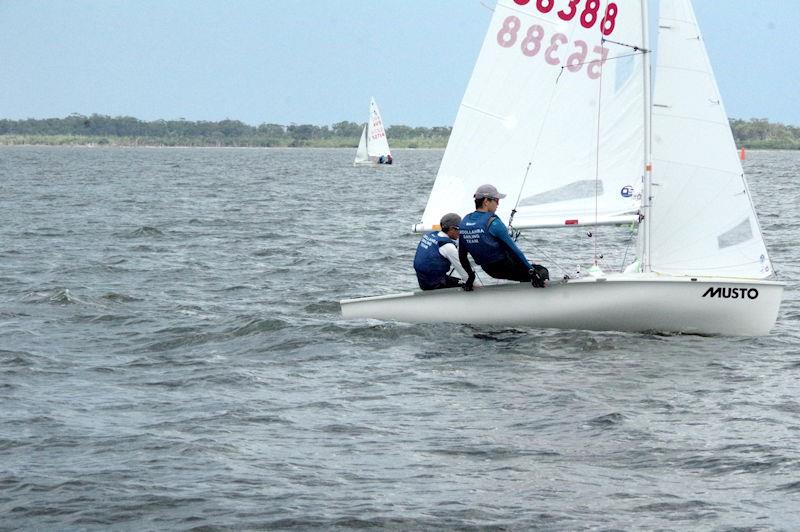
589 14
531 45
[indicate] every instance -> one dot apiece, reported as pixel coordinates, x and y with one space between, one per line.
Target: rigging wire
597 155
544 254
631 234
514 232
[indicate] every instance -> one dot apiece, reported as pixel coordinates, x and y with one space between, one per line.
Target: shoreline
185 147
122 142
250 147
121 131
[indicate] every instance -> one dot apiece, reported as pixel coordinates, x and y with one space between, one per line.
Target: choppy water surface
172 356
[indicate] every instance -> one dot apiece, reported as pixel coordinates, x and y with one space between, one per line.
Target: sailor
437 255
484 236
389 158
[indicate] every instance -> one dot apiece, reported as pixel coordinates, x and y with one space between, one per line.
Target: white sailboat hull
624 302
371 161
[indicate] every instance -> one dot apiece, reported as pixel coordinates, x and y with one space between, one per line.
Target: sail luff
757 222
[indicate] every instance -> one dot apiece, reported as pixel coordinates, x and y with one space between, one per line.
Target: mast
644 225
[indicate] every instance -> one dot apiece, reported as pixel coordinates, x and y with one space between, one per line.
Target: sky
319 61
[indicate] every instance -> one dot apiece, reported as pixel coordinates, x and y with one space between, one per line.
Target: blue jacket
429 264
484 236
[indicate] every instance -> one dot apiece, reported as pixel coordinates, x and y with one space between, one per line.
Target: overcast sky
319 61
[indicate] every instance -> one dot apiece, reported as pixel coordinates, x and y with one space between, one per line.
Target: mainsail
702 221
377 144
545 88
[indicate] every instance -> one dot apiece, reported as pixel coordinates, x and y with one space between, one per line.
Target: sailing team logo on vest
731 293
473 235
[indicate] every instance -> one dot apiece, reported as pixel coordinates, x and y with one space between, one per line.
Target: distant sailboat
373 148
559 111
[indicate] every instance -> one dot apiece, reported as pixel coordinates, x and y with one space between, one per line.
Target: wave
61 296
146 230
119 298
258 326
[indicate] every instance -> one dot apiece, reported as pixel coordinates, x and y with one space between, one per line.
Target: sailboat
373 148
559 115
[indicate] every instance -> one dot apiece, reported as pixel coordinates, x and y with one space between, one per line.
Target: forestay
702 221
543 91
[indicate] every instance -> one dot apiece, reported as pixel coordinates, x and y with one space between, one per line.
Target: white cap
487 191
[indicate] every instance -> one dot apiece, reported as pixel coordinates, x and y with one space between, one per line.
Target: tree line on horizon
125 130
97 129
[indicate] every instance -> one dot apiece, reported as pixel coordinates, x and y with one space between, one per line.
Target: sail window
741 233
586 188
623 72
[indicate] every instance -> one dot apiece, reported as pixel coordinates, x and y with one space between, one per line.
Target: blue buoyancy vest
429 264
484 247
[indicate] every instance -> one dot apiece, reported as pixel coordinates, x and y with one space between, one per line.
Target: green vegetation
94 130
759 133
126 131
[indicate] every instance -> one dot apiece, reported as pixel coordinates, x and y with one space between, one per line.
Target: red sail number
588 17
544 6
532 44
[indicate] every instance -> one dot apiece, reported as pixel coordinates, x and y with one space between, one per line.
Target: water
172 357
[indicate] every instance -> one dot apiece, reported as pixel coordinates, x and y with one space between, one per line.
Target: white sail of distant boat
373 148
558 114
